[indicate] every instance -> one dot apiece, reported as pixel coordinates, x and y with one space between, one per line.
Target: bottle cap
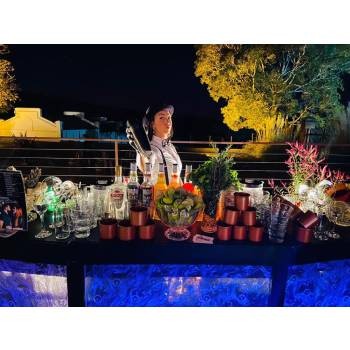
132 166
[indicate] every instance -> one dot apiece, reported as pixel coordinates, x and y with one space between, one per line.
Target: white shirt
170 154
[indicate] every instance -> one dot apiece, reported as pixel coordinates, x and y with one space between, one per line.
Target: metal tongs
138 138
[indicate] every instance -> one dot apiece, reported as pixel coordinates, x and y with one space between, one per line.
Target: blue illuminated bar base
91 272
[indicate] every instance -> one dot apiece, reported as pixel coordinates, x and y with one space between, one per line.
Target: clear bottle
175 178
188 186
160 187
133 187
146 188
117 196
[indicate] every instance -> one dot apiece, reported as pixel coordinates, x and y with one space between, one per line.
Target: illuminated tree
8 88
272 88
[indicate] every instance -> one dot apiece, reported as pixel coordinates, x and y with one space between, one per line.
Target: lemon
167 200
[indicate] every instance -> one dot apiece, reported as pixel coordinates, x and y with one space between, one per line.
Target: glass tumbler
82 222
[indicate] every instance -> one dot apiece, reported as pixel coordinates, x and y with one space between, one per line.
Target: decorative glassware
178 223
178 209
280 214
41 207
339 214
263 209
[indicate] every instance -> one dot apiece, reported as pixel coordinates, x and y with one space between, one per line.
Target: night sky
118 82
119 76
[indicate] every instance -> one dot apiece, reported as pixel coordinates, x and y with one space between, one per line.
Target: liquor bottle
175 178
50 198
133 187
146 188
188 186
160 187
117 196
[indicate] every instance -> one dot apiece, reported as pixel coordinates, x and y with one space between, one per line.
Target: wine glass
321 232
41 207
339 214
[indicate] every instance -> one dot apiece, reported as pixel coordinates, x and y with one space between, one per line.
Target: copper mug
108 228
126 232
249 216
304 235
138 216
224 231
231 215
148 230
241 200
239 232
256 233
308 219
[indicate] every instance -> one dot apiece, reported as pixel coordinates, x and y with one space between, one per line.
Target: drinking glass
263 210
82 222
100 194
339 214
87 205
60 222
41 207
280 213
321 230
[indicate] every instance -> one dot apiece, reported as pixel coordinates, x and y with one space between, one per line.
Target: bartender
158 124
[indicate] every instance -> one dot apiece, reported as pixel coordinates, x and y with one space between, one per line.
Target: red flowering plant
306 167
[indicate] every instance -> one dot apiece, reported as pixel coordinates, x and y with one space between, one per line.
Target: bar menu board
13 213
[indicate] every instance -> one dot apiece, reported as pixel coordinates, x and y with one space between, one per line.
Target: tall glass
280 214
60 223
100 194
82 222
68 226
41 207
87 199
263 210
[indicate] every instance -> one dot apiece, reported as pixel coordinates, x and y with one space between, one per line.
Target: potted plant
212 177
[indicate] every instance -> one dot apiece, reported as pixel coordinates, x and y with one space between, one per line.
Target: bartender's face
162 124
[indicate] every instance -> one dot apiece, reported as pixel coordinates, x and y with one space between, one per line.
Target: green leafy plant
215 175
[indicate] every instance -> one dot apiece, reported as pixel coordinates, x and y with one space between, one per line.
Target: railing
88 160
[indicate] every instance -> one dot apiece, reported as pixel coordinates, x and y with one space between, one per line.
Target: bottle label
146 196
117 195
133 196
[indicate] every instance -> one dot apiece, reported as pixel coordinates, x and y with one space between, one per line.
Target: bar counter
76 255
